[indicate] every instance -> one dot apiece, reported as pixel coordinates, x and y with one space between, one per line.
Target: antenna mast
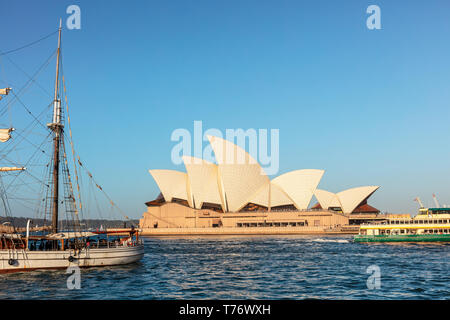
57 127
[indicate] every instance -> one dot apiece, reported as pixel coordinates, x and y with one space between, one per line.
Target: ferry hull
25 260
404 238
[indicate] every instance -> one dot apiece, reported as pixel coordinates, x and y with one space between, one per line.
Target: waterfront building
235 196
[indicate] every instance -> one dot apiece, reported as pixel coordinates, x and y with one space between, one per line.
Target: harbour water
254 267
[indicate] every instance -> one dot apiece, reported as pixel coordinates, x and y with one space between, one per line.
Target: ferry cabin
431 221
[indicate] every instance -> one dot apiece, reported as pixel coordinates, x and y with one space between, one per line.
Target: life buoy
71 259
11 262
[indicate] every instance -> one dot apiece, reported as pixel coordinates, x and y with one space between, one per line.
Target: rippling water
263 267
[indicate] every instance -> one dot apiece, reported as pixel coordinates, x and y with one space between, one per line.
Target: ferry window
425 221
420 221
440 221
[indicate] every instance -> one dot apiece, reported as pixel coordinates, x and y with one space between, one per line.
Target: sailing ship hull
403 238
24 260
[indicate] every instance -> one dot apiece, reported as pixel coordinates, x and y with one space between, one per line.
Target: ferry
430 225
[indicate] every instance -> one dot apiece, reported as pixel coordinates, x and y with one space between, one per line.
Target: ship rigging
62 241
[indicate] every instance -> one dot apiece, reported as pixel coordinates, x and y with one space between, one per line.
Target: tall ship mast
61 243
57 128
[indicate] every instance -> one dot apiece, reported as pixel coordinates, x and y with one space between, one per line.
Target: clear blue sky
371 107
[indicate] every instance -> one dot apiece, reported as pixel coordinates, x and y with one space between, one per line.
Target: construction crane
436 202
420 202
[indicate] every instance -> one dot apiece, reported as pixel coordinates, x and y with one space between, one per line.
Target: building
235 196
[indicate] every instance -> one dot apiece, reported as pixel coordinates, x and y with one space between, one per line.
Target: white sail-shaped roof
203 181
327 199
299 185
171 183
277 197
240 175
351 198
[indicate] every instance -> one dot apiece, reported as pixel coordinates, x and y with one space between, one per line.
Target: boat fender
11 262
71 259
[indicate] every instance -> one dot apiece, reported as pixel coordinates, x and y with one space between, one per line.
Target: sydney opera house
235 196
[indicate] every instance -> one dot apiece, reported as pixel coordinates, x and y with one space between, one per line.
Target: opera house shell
235 196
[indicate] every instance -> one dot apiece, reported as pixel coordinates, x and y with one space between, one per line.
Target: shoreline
155 232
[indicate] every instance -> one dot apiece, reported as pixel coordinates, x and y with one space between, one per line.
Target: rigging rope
27 45
81 165
73 147
31 79
103 191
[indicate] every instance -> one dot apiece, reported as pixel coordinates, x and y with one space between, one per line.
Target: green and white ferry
430 225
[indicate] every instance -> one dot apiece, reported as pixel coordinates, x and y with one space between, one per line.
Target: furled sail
4 92
5 134
4 169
